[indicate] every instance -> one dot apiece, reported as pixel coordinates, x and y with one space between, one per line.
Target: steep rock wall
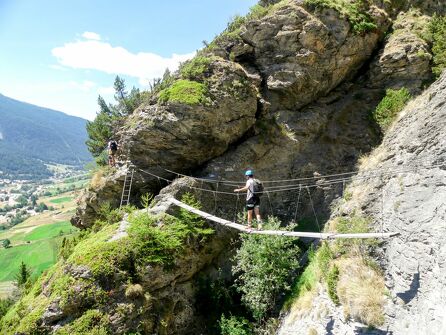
411 203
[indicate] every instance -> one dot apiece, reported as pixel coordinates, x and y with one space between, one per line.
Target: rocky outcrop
303 54
183 136
282 62
410 202
404 61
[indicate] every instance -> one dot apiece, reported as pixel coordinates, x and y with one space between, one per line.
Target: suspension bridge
297 184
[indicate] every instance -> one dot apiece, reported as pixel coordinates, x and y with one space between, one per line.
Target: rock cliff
412 203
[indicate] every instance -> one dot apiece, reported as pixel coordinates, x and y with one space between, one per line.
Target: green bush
352 225
184 91
437 32
389 107
235 326
332 282
195 68
355 11
195 223
5 304
264 265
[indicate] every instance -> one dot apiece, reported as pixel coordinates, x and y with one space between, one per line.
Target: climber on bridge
253 190
112 148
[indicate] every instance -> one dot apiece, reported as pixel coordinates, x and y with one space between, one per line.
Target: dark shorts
252 203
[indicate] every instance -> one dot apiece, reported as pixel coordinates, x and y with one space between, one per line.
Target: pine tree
101 129
23 275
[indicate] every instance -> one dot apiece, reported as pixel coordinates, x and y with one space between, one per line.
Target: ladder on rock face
127 188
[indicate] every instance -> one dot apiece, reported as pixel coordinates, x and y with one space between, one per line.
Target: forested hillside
31 136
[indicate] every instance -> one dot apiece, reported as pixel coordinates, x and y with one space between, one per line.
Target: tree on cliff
101 130
126 103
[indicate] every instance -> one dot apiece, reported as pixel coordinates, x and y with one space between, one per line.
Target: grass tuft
361 291
355 11
195 68
389 107
186 92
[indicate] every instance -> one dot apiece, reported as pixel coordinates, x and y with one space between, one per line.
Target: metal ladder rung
127 188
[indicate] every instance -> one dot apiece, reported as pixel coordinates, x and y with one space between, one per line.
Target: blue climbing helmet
249 173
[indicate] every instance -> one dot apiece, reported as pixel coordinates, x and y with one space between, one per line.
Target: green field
61 200
38 256
38 251
49 231
36 240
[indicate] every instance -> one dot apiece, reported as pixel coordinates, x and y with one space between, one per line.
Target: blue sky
62 54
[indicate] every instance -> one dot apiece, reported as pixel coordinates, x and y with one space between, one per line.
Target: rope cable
314 212
285 188
270 205
215 200
234 183
236 207
297 203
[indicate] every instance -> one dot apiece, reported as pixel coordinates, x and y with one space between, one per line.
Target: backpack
257 187
113 146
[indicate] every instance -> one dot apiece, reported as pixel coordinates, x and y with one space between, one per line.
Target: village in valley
34 219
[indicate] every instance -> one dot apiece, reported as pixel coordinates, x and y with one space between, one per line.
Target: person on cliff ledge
112 149
253 190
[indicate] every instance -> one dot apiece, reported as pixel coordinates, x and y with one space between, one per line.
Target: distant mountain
31 136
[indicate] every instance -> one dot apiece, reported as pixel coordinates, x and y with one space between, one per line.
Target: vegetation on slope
355 11
31 136
348 273
437 37
155 240
184 91
390 106
263 266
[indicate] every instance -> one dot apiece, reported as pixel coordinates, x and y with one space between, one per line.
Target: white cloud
84 86
91 36
102 56
58 67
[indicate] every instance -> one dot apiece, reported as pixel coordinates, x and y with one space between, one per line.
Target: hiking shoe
259 226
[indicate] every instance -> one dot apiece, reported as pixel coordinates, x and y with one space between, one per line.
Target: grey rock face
302 55
412 203
183 136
